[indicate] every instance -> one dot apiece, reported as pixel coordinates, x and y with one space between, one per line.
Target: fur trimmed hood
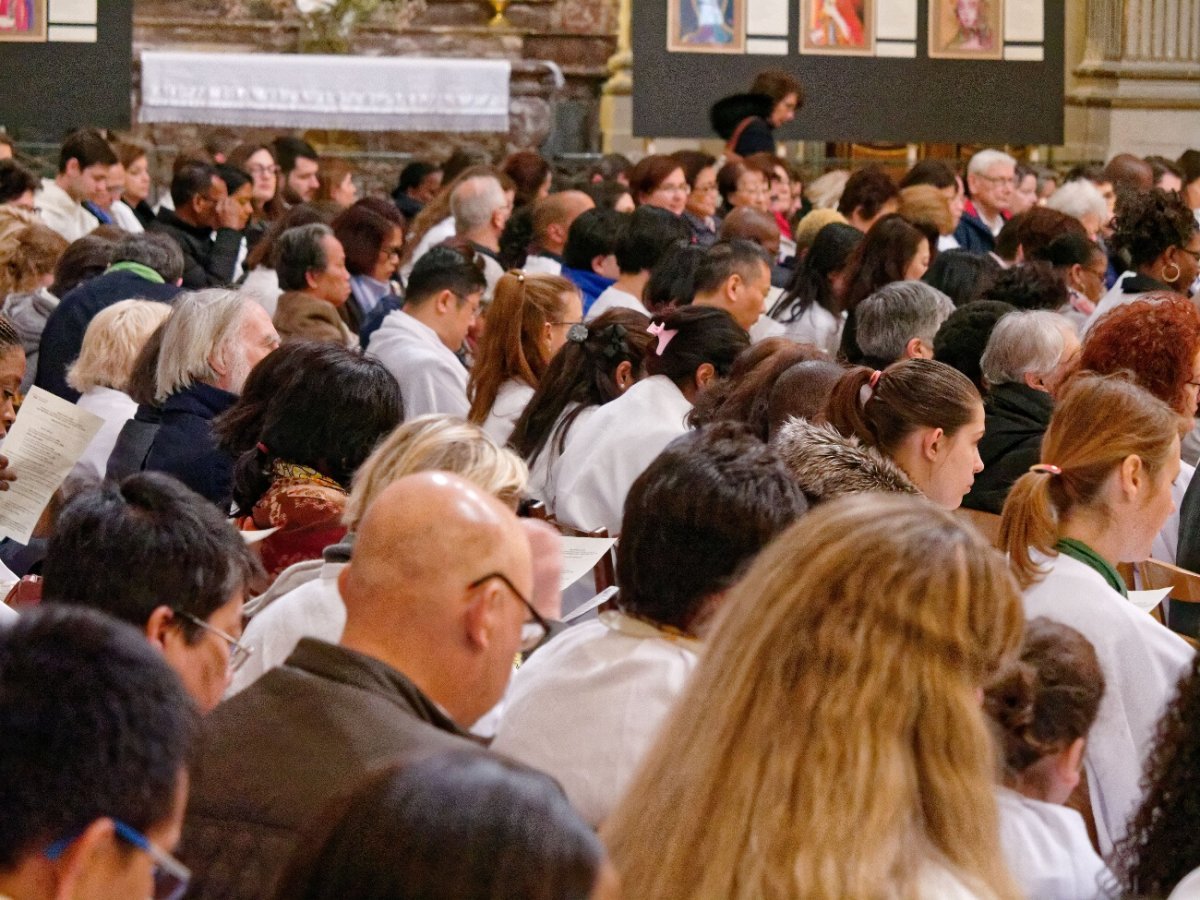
827 464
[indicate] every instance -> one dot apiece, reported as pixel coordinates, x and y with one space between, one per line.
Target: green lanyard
1089 557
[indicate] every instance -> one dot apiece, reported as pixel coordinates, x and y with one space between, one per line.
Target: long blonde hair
831 743
443 443
1098 422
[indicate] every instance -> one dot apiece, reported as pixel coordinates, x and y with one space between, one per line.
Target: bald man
1127 172
436 609
552 218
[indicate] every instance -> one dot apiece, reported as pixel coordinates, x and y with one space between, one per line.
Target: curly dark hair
1151 222
1034 285
1155 338
1162 844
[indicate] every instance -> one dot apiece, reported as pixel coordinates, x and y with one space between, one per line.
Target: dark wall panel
856 98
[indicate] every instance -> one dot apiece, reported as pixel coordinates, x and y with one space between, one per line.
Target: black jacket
273 756
185 447
63 334
1015 419
729 112
133 444
207 261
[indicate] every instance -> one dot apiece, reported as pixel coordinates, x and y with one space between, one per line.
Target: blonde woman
1098 498
111 345
831 742
304 600
527 325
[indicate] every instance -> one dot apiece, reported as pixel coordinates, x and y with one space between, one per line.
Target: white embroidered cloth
358 93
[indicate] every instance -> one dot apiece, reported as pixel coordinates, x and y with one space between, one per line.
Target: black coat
730 112
208 261
186 448
133 444
63 334
1015 419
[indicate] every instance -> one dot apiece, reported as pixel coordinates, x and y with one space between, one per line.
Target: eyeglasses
238 652
999 180
674 188
532 633
171 877
392 251
1195 254
263 170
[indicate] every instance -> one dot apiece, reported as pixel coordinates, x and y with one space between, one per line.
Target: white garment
263 285
1142 662
434 236
1114 298
312 609
947 242
1189 887
492 273
511 400
62 214
764 328
123 217
587 707
7 613
1166 543
115 408
542 265
544 470
1048 850
611 298
605 455
817 326
431 378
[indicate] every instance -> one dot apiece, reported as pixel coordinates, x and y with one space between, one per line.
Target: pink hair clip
875 376
1045 468
663 334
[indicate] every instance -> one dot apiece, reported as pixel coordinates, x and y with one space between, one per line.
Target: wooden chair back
988 524
1153 574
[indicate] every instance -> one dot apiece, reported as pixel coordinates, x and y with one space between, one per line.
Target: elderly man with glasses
436 612
991 179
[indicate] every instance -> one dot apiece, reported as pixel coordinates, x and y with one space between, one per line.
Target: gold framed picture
22 20
838 27
706 26
966 29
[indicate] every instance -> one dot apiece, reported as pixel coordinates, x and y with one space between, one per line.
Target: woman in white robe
604 456
1097 499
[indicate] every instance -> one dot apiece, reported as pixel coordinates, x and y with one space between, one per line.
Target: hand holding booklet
47 439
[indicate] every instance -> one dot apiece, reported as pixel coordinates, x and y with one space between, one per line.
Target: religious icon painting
966 29
838 27
706 26
22 20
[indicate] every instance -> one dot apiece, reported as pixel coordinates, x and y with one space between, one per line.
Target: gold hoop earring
1171 278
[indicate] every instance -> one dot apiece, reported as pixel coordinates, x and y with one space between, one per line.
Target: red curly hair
1156 339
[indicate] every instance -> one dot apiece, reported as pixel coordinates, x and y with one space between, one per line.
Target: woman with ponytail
527 324
1097 499
694 347
599 363
913 427
1042 710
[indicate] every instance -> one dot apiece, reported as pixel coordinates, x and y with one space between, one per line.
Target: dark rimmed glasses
238 652
534 631
171 877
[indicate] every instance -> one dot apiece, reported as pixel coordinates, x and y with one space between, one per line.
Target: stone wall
578 36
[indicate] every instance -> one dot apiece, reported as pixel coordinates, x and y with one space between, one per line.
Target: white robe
62 214
431 378
1114 298
817 326
1166 544
511 400
1048 850
115 408
434 236
263 285
540 264
544 470
314 609
612 298
1142 663
587 707
605 455
125 219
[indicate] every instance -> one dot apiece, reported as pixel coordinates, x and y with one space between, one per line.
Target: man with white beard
211 342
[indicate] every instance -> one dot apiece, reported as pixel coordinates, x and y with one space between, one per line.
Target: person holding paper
587 706
1100 494
12 371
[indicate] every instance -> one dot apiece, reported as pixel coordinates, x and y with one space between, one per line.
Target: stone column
1136 87
616 101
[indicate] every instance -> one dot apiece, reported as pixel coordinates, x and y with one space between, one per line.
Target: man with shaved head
436 611
552 218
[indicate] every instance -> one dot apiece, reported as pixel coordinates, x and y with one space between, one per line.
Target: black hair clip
613 344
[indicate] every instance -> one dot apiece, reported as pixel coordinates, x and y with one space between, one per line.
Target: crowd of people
876 448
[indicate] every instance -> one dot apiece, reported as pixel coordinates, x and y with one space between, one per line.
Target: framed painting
22 20
838 27
966 29
706 26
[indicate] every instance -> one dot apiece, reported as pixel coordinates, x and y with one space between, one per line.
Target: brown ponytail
1100 421
915 393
